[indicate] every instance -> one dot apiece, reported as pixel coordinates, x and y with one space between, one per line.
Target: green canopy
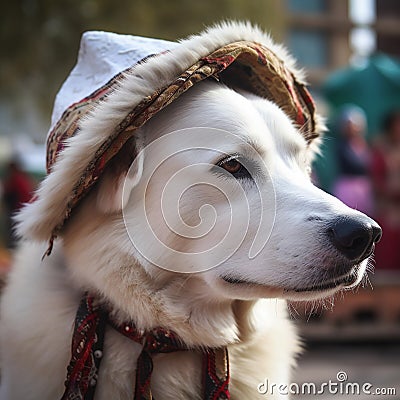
375 87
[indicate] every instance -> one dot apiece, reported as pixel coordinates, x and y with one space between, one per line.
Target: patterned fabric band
245 65
87 352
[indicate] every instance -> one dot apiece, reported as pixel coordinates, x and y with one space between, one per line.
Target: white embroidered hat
102 55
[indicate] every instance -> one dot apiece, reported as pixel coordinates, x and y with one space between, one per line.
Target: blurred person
17 190
386 183
353 185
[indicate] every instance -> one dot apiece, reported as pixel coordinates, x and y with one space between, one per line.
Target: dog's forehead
280 128
212 115
212 120
250 121
256 121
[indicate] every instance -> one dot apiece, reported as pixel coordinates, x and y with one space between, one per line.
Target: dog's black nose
355 237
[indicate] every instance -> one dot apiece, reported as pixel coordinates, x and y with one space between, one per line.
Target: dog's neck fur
175 301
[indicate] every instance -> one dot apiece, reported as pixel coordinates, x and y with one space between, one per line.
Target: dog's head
214 187
221 190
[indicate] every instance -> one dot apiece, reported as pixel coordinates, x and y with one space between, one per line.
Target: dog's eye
232 165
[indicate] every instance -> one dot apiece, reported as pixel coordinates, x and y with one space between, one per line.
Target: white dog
215 224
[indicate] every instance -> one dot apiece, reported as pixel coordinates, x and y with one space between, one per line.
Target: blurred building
318 35
322 33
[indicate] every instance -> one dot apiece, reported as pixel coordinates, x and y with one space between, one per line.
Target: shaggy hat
121 81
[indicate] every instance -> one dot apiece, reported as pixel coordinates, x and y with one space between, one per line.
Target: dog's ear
122 174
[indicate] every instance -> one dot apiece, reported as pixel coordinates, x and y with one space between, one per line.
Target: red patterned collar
87 352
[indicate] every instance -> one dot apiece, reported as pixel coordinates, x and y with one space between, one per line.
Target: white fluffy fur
37 220
95 253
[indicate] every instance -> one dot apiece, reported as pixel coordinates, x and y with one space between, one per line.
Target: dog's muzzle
353 239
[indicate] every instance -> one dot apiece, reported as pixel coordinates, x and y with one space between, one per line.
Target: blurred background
351 51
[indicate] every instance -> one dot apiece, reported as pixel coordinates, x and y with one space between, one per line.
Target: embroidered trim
87 353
